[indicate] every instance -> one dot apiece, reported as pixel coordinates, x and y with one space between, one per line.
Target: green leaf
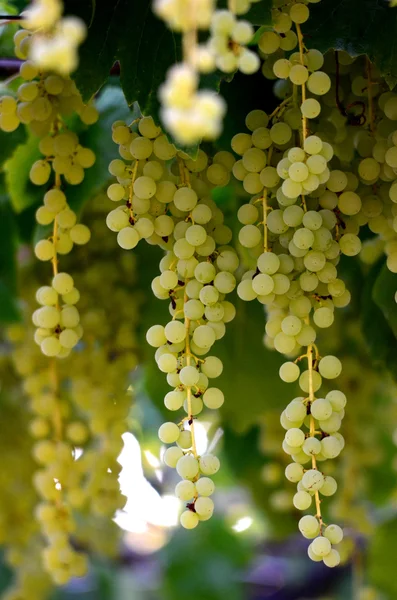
250 379
9 312
8 245
380 338
130 33
384 290
357 26
260 13
381 562
206 564
22 192
10 141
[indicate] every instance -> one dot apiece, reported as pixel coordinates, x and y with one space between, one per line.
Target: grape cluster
58 325
51 41
226 47
169 205
78 405
43 102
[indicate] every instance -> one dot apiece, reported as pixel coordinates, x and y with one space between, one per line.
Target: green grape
309 526
294 472
189 520
175 332
330 367
299 13
185 490
209 464
169 433
172 456
289 372
321 409
330 447
323 317
302 500
187 467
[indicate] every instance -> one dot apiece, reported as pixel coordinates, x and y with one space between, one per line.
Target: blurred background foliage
251 550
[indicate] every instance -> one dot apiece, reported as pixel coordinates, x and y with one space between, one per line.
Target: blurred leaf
8 244
22 192
250 379
384 290
382 553
9 312
260 13
381 341
354 26
204 565
10 141
246 461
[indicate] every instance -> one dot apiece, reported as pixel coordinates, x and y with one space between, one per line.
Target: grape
255 119
155 336
319 83
284 343
330 447
189 519
282 68
80 234
321 546
337 399
314 557
350 244
334 534
204 507
68 338
185 199
309 526
189 376
261 138
209 464
144 187
262 284
294 437
54 200
289 372
311 446
298 74
240 143
323 317
312 480
303 238
294 472
247 214
321 409
188 467
127 238
167 363
204 336
174 400
185 490
299 13
330 367
213 398
329 487
249 236
175 332
169 433
254 160
248 62
205 486
280 133
332 559
50 346
302 500
269 42
141 148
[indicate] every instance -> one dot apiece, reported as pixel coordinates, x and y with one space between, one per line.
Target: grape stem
265 209
131 191
312 425
280 107
370 99
188 356
303 86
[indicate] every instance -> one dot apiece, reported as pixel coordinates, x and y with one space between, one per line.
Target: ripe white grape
330 447
337 399
205 486
213 398
209 464
302 500
185 490
312 480
212 367
189 376
309 526
321 546
299 13
167 363
294 472
294 437
169 433
330 367
128 238
319 83
332 559
189 519
175 332
321 409
289 372
334 534
187 467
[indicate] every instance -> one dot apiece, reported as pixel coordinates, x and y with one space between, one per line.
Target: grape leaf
380 338
22 192
130 33
359 27
381 557
383 293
